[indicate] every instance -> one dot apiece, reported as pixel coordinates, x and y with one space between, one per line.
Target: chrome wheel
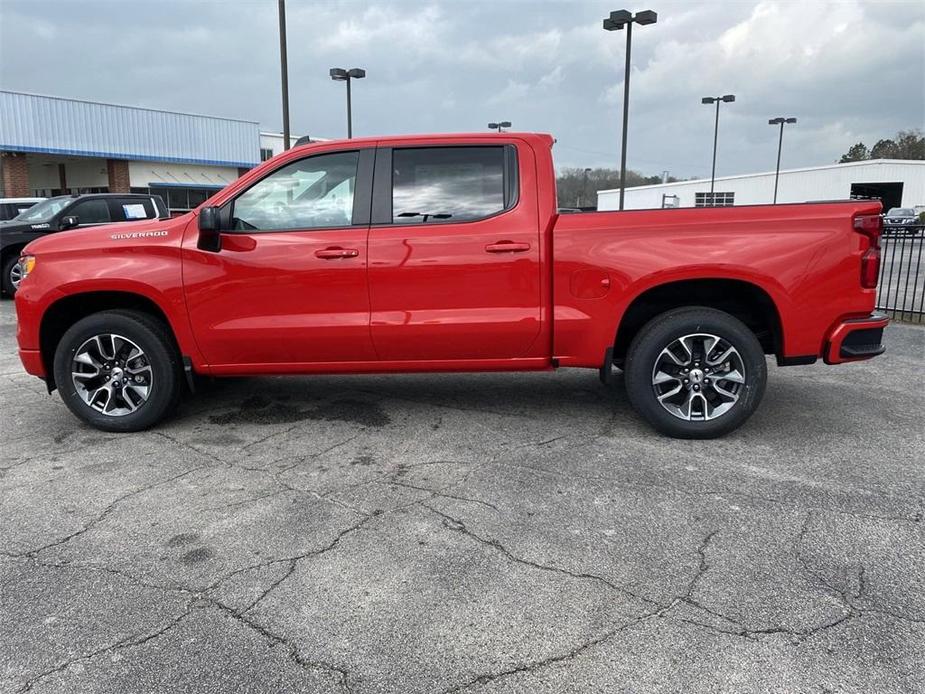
112 375
16 275
698 377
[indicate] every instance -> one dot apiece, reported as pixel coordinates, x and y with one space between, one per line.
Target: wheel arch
745 300
67 310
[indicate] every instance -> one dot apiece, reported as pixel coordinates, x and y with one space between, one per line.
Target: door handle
507 247
332 253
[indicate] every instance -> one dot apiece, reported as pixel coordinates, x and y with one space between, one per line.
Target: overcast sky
850 70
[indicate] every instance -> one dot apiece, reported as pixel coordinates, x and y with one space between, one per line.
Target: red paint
523 290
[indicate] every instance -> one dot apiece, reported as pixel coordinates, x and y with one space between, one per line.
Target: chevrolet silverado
446 253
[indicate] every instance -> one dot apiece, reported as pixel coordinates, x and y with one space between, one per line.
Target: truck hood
159 231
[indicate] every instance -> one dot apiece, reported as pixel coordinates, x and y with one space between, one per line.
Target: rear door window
450 184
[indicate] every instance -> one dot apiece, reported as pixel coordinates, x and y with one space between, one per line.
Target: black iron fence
901 290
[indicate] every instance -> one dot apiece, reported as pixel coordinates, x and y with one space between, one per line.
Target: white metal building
898 183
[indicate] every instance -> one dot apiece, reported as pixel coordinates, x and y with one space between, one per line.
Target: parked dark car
901 220
12 207
69 212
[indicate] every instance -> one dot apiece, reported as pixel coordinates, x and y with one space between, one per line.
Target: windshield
45 210
901 212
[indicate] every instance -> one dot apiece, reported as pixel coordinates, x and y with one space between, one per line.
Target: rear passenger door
454 253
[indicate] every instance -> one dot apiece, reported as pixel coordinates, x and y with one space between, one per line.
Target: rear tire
695 373
118 370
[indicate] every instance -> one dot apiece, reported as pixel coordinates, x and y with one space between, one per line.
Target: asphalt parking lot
467 533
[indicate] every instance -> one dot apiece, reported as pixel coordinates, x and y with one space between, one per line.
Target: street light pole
284 71
616 21
780 143
339 74
626 111
349 112
728 98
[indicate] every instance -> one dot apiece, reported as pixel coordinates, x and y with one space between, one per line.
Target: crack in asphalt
552 660
291 648
106 511
457 525
128 642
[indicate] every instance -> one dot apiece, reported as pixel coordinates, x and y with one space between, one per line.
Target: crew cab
446 253
65 212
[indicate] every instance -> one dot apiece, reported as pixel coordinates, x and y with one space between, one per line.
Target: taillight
870 268
871 226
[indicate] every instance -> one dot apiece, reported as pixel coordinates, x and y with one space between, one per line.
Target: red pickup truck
446 253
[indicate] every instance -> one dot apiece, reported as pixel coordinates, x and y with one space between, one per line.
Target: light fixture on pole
616 21
339 74
728 98
500 125
780 143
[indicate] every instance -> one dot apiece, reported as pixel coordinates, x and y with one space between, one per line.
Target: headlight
26 264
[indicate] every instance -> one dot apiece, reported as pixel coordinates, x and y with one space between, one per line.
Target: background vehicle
901 220
446 253
69 212
10 207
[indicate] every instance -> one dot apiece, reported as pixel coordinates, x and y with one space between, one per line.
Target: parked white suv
11 207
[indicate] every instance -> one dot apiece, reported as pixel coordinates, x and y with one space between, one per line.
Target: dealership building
898 183
53 146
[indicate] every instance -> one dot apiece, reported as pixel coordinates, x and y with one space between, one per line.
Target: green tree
907 144
884 149
858 152
910 144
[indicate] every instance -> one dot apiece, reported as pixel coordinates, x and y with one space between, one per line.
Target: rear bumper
856 339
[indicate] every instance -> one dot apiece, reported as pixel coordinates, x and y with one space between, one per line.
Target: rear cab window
452 183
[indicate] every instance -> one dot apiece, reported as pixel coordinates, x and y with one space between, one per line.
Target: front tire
695 373
118 370
12 275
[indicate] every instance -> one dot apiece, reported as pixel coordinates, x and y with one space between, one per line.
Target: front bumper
901 226
32 361
856 339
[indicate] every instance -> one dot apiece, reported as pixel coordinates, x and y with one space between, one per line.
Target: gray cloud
849 70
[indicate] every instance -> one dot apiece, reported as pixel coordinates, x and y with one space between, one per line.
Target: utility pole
284 71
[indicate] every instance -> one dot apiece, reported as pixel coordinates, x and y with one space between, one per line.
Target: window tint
90 211
447 184
310 193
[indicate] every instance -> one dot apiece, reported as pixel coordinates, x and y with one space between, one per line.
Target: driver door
288 286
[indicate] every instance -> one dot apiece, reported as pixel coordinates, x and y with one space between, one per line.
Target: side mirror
210 238
69 222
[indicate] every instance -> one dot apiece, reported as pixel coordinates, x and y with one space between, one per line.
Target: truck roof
536 138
